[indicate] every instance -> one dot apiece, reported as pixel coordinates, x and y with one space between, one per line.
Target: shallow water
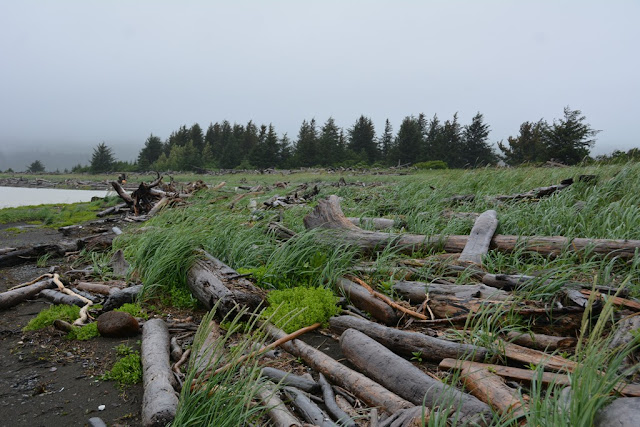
11 197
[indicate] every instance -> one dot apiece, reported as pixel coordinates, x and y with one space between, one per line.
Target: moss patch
128 369
133 309
296 308
68 313
83 333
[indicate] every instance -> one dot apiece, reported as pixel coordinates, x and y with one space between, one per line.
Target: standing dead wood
370 392
291 380
541 341
276 409
408 343
402 377
14 297
480 238
159 401
212 281
341 417
328 215
362 299
309 410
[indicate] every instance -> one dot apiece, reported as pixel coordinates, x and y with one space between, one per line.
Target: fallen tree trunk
535 357
375 223
328 215
16 296
408 343
120 297
289 379
362 299
212 281
402 377
97 288
57 297
159 402
370 392
541 341
277 411
480 238
309 410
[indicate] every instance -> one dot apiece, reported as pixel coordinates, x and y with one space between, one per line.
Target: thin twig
389 300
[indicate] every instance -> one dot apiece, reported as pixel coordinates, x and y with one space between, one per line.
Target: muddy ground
46 379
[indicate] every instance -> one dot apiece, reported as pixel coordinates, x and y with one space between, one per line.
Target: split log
16 296
159 401
370 392
623 412
408 343
211 281
57 297
362 299
375 223
328 215
308 409
541 341
535 357
291 380
402 377
120 297
480 238
276 409
341 417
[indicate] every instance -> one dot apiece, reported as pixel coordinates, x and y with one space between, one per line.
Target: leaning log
480 237
159 402
328 215
362 299
211 281
16 296
276 409
408 343
402 377
370 392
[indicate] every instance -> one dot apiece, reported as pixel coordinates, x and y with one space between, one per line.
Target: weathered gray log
370 392
402 377
625 333
510 282
164 201
7 250
10 298
341 417
409 343
120 297
159 401
623 412
119 265
112 210
309 410
362 299
212 281
291 380
536 193
328 215
57 297
276 409
541 341
480 238
122 193
407 418
375 223
91 297
97 288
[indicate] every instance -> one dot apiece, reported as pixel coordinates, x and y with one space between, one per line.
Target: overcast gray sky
75 73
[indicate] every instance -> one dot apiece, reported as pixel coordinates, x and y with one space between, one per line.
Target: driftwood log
402 377
408 343
119 297
367 390
328 215
159 402
211 281
309 410
541 341
14 297
530 356
375 223
480 238
362 299
291 380
57 297
277 411
329 398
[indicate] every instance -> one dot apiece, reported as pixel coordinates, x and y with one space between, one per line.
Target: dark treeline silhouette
421 141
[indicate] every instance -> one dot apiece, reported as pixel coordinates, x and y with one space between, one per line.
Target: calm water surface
11 197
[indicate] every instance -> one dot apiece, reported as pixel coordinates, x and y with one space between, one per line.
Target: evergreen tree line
419 140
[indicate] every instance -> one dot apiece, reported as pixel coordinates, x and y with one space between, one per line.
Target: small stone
118 324
101 407
96 422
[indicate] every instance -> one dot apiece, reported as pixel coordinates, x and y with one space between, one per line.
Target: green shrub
133 309
296 308
68 313
432 164
83 333
127 370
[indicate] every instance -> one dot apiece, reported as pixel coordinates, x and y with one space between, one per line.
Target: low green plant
310 305
128 369
42 261
46 317
417 356
133 309
84 333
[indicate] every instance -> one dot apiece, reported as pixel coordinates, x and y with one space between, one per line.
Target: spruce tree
362 139
150 152
408 140
306 151
528 146
330 151
36 167
386 142
477 151
569 140
102 159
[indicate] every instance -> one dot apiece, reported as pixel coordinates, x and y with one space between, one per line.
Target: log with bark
328 215
98 288
277 410
480 237
370 392
364 300
403 378
14 297
541 341
159 402
408 343
211 281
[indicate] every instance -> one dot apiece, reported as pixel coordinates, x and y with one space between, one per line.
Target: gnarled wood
119 297
408 343
402 377
362 299
16 296
159 402
480 238
370 392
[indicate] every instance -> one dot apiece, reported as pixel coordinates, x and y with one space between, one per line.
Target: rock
118 324
96 422
623 412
